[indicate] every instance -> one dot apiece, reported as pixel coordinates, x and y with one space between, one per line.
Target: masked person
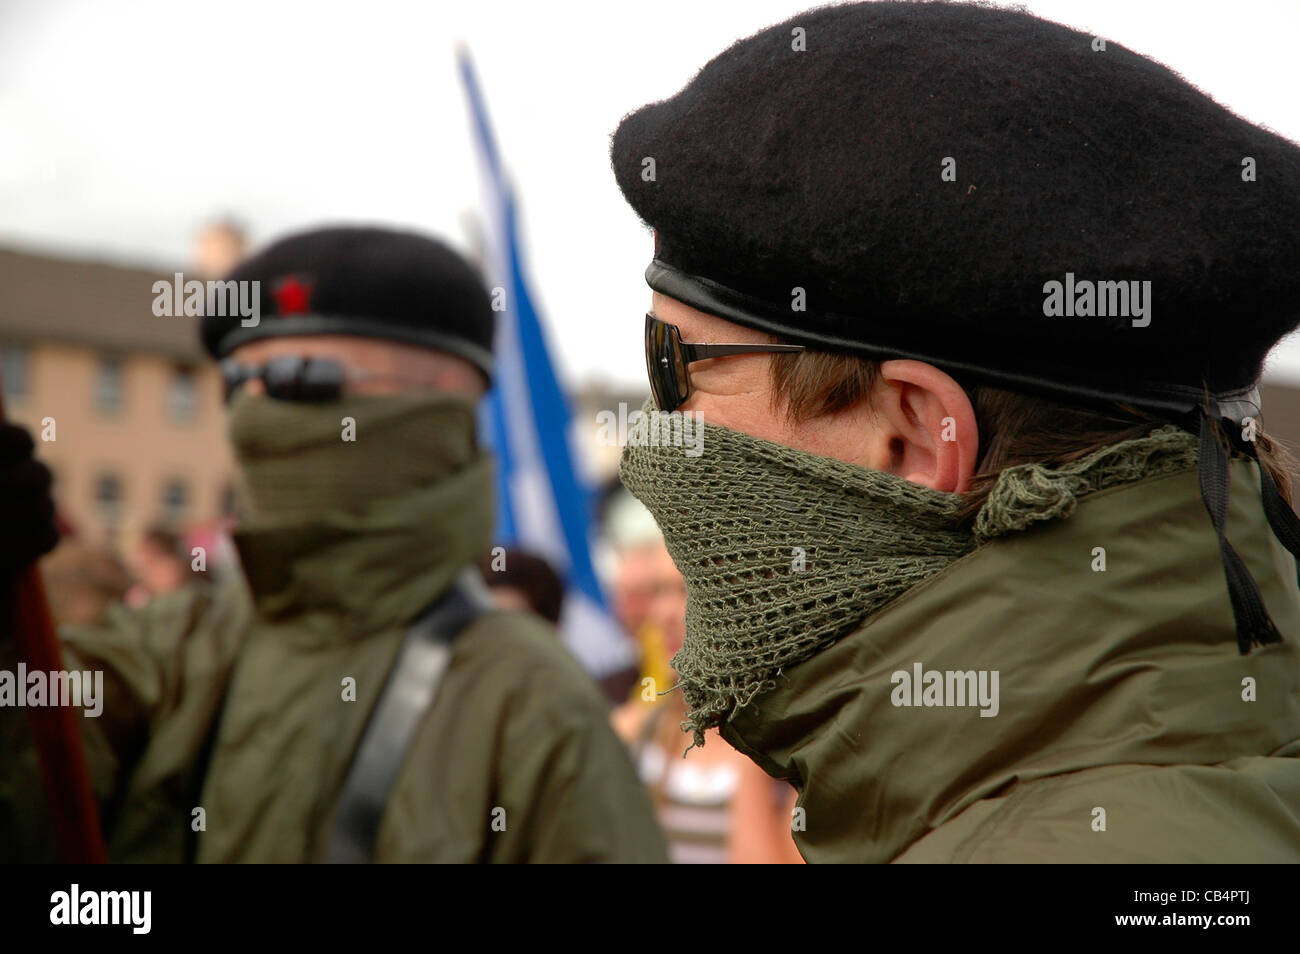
971 309
304 714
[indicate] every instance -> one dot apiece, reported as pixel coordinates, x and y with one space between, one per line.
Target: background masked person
959 553
365 496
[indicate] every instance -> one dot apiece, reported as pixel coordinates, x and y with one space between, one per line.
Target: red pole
55 730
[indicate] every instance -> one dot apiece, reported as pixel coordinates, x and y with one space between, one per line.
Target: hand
27 527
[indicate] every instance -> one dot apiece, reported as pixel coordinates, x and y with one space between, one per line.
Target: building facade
124 406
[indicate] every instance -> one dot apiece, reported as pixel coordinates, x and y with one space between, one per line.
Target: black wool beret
373 282
907 179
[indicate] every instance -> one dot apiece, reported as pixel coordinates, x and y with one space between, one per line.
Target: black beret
822 169
373 282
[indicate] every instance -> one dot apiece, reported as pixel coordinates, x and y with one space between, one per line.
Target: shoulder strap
409 693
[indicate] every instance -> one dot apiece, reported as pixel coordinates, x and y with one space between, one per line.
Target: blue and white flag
541 506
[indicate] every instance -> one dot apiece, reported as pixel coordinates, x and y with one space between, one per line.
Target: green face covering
783 552
300 461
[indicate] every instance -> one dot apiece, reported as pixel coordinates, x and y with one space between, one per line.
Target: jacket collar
1133 663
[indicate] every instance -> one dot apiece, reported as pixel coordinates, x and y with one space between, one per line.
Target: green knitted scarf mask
784 552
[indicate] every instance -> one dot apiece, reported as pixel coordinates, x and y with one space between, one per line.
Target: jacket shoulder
1243 811
539 774
522 649
166 622
191 635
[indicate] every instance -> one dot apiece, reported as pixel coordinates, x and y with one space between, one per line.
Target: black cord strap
1283 520
1254 626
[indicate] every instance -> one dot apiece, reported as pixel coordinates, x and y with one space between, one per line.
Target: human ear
929 425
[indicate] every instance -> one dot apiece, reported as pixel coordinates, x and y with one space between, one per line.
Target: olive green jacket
514 762
1128 727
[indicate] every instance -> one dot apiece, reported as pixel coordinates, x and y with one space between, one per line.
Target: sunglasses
296 378
667 359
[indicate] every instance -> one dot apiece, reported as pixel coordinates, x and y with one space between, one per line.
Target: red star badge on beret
292 297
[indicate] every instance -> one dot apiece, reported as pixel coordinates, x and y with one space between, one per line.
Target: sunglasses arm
699 352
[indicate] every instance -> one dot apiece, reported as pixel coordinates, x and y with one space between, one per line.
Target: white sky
125 125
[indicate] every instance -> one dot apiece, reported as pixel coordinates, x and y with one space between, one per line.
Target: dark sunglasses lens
651 360
280 377
664 365
303 379
321 380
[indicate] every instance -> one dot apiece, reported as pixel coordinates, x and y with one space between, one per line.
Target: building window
182 396
108 497
176 497
108 385
13 367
